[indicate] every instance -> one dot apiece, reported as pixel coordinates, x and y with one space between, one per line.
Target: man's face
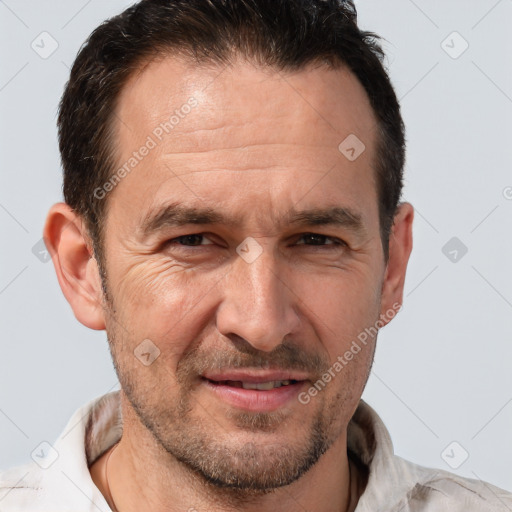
256 147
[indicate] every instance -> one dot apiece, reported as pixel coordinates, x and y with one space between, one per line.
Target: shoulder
398 485
20 487
440 490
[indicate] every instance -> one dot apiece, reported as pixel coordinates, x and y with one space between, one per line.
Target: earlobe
400 247
77 270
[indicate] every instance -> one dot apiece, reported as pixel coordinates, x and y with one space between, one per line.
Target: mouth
260 386
257 392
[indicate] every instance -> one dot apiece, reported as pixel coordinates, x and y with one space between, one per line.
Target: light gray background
443 367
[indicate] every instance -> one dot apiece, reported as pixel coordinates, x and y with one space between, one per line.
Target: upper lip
257 376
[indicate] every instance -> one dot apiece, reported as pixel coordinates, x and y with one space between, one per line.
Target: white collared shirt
58 480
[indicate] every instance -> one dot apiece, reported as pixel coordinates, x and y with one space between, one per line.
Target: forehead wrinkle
247 146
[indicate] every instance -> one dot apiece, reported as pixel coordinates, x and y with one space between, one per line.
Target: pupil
190 239
313 237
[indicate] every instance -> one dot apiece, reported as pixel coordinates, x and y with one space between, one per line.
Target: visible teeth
265 386
261 386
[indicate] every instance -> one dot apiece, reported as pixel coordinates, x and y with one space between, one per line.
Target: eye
318 240
189 240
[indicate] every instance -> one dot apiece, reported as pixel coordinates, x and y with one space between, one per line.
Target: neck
144 477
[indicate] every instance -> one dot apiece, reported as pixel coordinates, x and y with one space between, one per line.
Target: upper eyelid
299 235
204 235
332 238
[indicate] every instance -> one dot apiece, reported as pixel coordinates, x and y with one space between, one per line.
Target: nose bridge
263 287
256 305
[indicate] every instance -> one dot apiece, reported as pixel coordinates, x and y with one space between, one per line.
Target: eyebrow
177 215
332 216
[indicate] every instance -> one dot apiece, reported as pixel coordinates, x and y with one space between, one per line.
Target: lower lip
254 399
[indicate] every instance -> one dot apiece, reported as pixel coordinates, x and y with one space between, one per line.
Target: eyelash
336 241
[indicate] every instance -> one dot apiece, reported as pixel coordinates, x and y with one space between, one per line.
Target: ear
400 247
67 242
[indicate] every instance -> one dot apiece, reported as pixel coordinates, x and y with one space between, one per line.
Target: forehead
229 96
208 131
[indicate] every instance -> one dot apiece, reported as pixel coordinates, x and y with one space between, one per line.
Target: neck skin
142 477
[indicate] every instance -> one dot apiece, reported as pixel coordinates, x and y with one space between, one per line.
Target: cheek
163 302
340 306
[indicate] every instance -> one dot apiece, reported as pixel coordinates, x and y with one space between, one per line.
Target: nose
258 304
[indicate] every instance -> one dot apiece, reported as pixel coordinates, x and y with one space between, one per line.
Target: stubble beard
243 469
240 471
